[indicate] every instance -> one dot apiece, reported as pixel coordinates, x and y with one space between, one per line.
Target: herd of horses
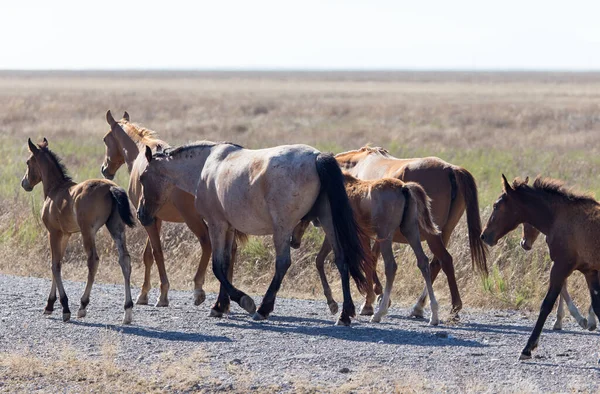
224 192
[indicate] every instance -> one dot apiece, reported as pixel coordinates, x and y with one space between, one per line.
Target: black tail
468 188
347 232
120 198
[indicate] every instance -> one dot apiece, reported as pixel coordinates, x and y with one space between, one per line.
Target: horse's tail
348 234
121 200
415 194
468 188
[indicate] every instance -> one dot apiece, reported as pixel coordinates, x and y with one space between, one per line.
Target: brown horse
84 207
382 207
571 223
124 142
259 192
452 190
530 234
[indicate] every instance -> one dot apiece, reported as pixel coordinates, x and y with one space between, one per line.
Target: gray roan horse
260 192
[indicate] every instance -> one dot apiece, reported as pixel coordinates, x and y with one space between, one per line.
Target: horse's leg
88 235
281 239
593 282
157 251
221 255
148 261
52 296
440 253
560 313
591 320
377 287
116 229
222 304
56 243
390 274
560 271
320 263
564 295
366 308
196 224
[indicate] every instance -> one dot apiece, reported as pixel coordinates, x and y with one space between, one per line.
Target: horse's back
255 189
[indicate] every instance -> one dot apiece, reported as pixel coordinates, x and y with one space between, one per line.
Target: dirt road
180 348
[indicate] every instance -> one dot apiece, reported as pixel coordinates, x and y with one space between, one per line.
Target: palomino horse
124 142
530 234
84 207
571 223
259 192
383 206
452 190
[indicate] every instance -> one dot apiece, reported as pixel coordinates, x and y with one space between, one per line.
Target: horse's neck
128 146
539 213
53 181
185 172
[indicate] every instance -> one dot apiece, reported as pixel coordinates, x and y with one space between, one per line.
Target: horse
85 207
571 223
530 234
383 206
124 142
452 190
260 192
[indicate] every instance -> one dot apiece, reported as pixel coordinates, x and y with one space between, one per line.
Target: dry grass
518 124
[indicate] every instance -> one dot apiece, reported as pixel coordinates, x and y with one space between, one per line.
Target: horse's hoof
454 318
199 297
583 323
434 322
48 311
248 304
417 312
376 318
525 356
557 327
162 303
366 310
128 316
257 316
215 313
592 327
342 322
81 313
142 299
66 316
333 307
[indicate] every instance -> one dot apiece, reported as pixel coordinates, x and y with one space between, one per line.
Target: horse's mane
367 148
58 162
554 187
141 135
191 146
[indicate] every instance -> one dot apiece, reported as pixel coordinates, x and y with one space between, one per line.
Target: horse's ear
526 180
505 185
32 148
44 143
148 154
159 148
109 118
126 116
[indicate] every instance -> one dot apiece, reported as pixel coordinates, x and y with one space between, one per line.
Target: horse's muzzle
144 217
525 245
25 185
489 239
106 174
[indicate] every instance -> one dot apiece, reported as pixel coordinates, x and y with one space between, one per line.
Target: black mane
191 145
556 188
59 164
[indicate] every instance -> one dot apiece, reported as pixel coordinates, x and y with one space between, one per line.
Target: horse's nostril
483 237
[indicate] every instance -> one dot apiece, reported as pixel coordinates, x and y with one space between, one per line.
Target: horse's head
530 234
113 158
33 175
156 187
505 217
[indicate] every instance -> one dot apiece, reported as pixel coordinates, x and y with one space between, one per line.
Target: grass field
490 123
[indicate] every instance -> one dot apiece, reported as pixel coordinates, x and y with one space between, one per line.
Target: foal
386 208
571 223
84 207
530 234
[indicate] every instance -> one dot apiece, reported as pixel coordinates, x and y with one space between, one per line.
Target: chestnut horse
383 206
530 234
259 192
84 207
571 223
124 142
452 190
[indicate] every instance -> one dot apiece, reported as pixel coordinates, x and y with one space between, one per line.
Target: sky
302 34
